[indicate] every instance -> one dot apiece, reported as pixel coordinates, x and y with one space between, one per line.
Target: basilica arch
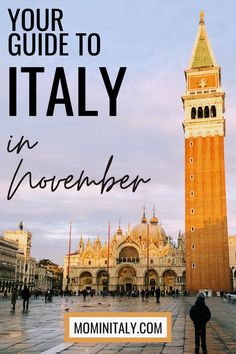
128 253
151 279
169 279
127 280
102 280
85 280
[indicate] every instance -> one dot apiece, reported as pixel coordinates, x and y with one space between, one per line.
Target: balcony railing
127 260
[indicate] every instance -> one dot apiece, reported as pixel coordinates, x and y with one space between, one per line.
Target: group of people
25 294
48 295
158 293
199 312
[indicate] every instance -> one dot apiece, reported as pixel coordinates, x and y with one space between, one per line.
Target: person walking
85 294
177 293
143 294
25 296
5 294
14 297
46 295
200 315
158 294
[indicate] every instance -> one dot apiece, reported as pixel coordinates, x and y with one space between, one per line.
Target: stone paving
41 329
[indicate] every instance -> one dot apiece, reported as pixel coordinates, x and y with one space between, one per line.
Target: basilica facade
143 257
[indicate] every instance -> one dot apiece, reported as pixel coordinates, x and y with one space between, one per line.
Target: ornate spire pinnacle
81 244
97 240
97 243
154 210
144 219
119 230
154 219
128 228
88 243
144 210
202 15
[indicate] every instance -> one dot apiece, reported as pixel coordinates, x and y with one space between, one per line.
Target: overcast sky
154 40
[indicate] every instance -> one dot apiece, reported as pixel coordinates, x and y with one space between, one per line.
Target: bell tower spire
202 54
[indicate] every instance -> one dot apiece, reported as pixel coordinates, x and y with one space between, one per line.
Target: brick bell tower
207 253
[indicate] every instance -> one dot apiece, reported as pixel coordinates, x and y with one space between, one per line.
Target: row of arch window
205 112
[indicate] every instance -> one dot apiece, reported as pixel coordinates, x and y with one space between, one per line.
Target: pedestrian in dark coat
14 297
158 294
200 315
25 296
85 294
143 294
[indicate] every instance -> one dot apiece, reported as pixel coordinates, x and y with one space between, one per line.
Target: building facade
141 258
207 253
56 271
25 264
232 260
8 256
43 277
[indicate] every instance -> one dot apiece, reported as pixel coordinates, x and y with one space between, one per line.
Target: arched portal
151 279
129 254
169 279
86 280
102 280
127 280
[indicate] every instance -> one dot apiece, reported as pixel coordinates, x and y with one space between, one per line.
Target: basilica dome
157 234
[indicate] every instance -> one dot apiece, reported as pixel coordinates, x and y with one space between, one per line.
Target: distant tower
207 254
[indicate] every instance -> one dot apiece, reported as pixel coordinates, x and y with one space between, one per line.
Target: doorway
128 287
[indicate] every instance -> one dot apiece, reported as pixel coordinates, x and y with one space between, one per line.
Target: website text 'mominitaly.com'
109 326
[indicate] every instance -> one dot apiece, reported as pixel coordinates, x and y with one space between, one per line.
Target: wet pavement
41 329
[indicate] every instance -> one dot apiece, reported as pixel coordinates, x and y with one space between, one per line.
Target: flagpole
147 254
108 251
69 253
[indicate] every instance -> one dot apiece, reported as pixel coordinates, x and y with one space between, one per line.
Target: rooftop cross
154 209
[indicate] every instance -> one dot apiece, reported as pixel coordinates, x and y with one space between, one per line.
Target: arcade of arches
143 257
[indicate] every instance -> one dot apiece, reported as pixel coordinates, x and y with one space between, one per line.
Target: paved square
41 330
